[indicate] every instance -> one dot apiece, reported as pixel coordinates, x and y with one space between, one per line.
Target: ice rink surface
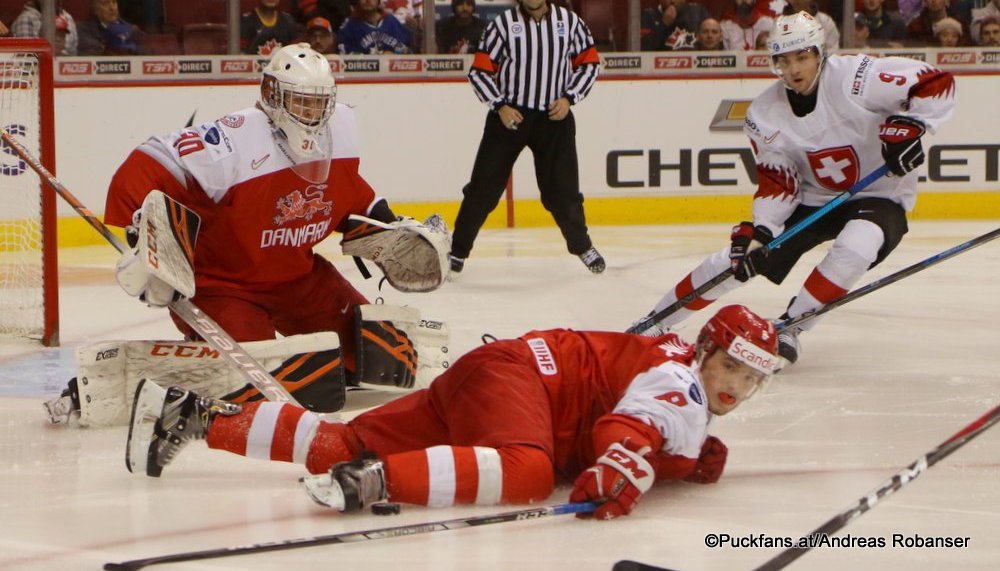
881 381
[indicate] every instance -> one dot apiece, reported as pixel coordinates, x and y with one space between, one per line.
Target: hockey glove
747 255
901 147
619 477
711 461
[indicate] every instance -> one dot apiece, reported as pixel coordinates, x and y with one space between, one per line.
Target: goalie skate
180 417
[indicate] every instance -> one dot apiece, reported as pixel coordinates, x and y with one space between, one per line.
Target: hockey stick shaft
890 279
897 481
204 325
356 536
662 314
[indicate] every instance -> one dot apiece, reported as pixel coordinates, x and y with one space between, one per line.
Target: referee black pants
553 144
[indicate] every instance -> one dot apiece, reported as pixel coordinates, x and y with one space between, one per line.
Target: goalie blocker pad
413 256
309 366
167 231
397 348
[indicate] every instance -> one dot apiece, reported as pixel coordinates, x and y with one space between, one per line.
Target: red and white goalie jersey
809 160
259 219
611 387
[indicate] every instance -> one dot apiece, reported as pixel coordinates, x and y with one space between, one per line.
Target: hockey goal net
28 272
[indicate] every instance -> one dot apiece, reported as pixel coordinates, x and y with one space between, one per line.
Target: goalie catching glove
413 256
158 268
619 478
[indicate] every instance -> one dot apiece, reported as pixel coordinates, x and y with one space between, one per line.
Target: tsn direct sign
729 166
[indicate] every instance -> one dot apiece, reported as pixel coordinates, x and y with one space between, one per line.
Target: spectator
4 30
460 32
861 32
409 13
105 33
886 29
745 26
990 32
28 24
980 14
920 31
709 37
370 32
830 30
947 32
666 26
320 34
266 28
336 11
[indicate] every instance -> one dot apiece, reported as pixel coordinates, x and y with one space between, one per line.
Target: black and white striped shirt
530 64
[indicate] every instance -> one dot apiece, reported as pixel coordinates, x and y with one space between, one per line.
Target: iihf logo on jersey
836 169
561 29
297 204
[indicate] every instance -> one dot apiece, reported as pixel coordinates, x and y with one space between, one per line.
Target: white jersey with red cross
809 160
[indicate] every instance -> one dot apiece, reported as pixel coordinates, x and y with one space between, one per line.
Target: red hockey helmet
743 335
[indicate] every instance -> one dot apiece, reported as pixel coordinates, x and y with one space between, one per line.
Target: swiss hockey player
267 183
828 122
613 412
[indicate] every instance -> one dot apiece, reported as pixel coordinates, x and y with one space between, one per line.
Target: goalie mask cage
29 301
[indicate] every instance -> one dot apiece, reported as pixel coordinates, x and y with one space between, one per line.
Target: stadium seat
608 22
204 39
161 44
177 13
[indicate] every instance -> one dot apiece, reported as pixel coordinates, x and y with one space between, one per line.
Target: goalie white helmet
796 33
298 93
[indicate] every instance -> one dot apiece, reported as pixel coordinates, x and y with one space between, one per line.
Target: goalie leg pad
315 379
398 348
413 256
109 372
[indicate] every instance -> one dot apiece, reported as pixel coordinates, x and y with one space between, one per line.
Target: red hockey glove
619 477
711 461
747 255
901 147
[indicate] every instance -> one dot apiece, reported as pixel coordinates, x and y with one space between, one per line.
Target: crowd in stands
134 27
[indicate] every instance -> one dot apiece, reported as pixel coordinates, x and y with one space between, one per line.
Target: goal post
29 298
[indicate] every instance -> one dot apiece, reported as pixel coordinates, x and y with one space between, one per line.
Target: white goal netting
21 269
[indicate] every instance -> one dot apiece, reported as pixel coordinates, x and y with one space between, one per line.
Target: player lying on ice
827 123
612 411
267 184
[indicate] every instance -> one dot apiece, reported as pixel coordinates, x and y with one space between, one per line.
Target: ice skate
593 260
180 417
788 344
348 486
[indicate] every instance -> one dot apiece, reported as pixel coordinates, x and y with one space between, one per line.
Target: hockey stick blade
648 321
890 279
205 326
897 481
356 536
629 565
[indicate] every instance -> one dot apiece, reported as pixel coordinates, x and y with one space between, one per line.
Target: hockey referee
534 61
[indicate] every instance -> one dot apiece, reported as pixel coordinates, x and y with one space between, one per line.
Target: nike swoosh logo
255 164
346 307
772 137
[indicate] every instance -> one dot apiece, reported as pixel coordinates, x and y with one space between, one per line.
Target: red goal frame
47 156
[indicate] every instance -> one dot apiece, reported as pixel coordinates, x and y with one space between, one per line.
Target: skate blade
146 408
323 490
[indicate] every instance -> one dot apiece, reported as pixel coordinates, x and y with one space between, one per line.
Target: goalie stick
863 504
204 325
648 321
892 278
356 536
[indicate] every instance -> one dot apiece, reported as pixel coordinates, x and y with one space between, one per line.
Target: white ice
881 382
